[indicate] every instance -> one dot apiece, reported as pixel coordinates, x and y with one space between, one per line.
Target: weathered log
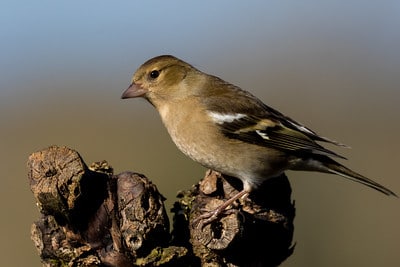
91 217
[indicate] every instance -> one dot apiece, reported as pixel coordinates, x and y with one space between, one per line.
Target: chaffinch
229 130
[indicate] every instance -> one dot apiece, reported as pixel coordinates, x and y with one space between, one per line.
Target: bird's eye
154 74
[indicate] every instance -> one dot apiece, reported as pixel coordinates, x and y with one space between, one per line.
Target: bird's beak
134 90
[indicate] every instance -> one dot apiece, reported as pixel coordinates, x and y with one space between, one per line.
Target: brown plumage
229 130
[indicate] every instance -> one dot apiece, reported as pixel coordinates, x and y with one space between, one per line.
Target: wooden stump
91 217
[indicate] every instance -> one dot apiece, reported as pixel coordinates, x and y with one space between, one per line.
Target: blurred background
332 65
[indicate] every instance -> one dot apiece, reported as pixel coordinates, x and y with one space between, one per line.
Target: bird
229 130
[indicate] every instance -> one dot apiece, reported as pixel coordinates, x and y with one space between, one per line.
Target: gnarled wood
91 217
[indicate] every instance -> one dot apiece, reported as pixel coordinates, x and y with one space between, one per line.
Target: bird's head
163 78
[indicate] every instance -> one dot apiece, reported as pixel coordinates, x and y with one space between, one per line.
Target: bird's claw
210 216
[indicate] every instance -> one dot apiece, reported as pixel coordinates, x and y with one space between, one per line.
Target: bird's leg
211 216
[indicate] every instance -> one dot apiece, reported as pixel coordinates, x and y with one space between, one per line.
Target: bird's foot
210 216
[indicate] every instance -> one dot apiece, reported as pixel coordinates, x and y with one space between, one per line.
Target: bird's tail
328 165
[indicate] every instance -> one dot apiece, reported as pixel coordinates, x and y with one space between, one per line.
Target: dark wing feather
268 134
290 123
262 125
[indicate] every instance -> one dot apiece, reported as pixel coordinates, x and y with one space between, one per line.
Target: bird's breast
199 138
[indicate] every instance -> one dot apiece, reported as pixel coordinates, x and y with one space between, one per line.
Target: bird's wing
292 124
242 116
269 133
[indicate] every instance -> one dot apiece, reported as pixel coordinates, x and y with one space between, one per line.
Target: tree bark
91 217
